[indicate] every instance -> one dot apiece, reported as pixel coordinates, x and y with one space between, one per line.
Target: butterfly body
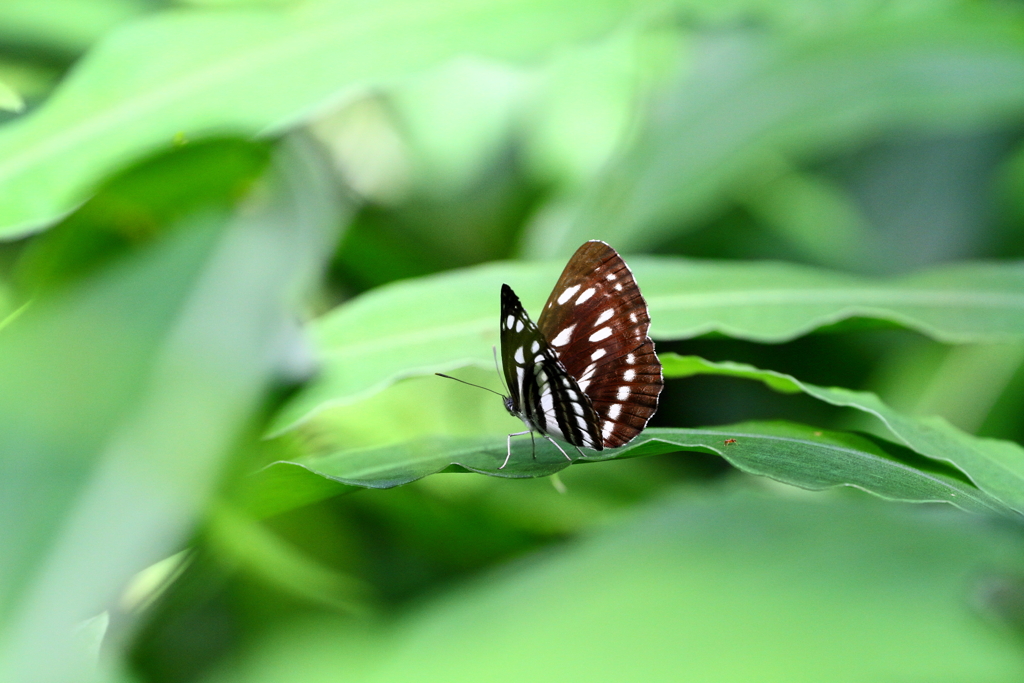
586 373
542 392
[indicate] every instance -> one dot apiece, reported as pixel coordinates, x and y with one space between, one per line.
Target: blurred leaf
751 99
586 102
243 542
8 312
149 584
30 79
457 119
960 384
10 100
813 215
238 3
64 27
124 393
722 587
136 206
446 321
90 634
248 71
994 466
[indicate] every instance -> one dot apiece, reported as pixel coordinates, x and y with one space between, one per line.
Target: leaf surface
123 395
802 95
249 72
995 466
440 322
794 454
849 592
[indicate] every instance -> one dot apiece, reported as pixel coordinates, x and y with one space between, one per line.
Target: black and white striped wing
542 392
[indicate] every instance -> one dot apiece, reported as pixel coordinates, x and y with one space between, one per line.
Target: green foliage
194 74
10 100
414 328
872 593
241 236
826 88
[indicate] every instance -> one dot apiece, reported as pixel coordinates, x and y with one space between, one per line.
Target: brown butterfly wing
596 320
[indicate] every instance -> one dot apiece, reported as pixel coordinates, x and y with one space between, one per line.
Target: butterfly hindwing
596 322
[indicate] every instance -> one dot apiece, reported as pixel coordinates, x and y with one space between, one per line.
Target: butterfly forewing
596 323
542 391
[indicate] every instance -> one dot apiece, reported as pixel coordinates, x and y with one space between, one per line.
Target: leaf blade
413 327
792 454
993 465
798 95
202 73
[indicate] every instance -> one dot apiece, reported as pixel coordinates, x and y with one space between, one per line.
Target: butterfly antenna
494 349
469 383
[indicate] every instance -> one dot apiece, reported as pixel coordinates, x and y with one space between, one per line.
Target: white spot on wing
623 393
519 326
614 411
589 372
618 288
630 358
628 375
600 353
587 293
603 318
518 355
611 276
606 431
535 347
577 408
510 321
602 333
568 294
562 338
632 317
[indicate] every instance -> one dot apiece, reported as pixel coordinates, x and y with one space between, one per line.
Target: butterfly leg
533 446
508 442
558 447
582 454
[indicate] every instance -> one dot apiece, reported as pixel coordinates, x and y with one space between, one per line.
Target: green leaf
968 382
441 322
425 425
248 72
10 100
245 544
994 466
725 586
793 454
124 393
64 27
808 94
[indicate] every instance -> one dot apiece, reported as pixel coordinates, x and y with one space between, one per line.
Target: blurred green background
240 236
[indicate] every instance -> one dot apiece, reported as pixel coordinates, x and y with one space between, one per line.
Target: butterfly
586 372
